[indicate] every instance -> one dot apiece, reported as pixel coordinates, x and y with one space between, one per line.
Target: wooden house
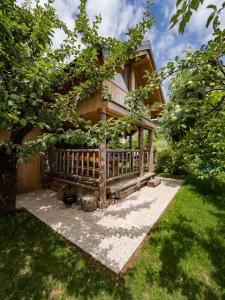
111 173
108 173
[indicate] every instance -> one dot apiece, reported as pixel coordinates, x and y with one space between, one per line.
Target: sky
119 15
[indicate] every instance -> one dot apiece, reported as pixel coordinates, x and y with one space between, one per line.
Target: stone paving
110 235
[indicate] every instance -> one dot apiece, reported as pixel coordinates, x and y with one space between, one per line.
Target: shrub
171 162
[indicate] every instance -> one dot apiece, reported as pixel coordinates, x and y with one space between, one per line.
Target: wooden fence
76 163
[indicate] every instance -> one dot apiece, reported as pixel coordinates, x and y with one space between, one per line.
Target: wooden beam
150 150
141 150
102 166
116 110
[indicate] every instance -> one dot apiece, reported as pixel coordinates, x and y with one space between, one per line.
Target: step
154 182
124 188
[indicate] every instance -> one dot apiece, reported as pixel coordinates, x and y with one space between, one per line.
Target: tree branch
218 106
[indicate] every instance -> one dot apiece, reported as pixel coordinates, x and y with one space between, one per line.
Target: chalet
105 172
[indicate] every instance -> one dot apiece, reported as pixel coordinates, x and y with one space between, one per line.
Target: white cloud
117 15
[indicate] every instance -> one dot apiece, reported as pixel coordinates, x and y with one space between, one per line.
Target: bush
171 162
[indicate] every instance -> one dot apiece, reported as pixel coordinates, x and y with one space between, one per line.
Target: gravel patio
111 235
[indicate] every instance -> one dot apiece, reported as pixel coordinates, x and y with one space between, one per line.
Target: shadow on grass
37 264
184 238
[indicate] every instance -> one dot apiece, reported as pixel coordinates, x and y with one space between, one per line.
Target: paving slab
110 235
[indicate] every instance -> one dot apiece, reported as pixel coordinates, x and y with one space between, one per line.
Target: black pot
69 198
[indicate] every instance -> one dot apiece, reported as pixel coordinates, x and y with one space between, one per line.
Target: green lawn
183 258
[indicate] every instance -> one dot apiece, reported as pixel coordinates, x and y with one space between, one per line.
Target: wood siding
28 175
118 94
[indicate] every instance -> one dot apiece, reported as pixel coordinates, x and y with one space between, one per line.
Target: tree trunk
7 183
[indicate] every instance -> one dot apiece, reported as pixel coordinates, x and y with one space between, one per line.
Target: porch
110 178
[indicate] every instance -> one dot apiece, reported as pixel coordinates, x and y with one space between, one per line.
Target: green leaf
212 6
184 6
182 25
178 2
23 122
14 97
210 18
6 28
194 4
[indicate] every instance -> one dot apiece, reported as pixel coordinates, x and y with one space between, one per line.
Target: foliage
160 143
194 117
185 10
171 161
32 73
182 258
168 159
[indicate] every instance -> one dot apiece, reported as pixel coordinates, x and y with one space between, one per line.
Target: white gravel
110 235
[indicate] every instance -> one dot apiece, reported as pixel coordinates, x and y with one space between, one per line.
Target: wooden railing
121 163
117 93
84 164
146 160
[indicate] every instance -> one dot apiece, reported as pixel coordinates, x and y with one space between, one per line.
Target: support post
141 150
150 150
102 167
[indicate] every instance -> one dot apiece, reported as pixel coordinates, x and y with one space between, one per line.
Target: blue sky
119 15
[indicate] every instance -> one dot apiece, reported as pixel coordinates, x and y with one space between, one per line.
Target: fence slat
94 162
64 162
82 163
77 163
88 161
113 164
72 163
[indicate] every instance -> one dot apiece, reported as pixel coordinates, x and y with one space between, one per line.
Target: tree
194 117
31 72
185 11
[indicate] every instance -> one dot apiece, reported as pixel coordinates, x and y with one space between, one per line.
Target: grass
183 258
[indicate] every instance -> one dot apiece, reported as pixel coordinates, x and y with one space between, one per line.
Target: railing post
150 150
102 167
131 153
141 150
